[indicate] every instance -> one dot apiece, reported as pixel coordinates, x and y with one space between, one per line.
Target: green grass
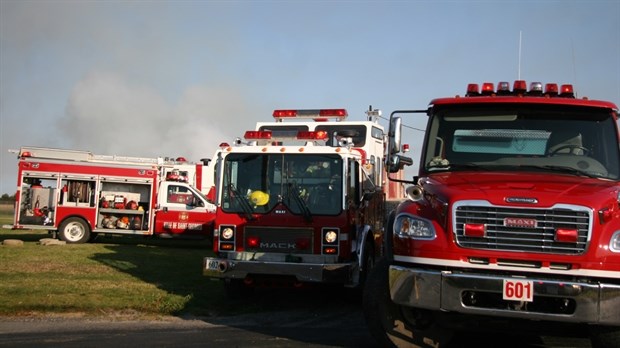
6 214
113 275
135 277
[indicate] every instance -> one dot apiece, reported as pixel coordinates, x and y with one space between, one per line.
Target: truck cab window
523 140
304 183
180 194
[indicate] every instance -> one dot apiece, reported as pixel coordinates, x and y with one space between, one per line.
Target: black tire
379 311
74 231
385 319
387 238
605 336
367 264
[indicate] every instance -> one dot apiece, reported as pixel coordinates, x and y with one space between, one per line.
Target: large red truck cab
513 218
299 200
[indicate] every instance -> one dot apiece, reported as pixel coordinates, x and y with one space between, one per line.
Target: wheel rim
74 232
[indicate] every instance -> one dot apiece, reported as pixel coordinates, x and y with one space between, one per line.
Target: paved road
232 332
309 319
242 331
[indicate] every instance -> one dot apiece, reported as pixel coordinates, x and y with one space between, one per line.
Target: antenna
519 68
572 46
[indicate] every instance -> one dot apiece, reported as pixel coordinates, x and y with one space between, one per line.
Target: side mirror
367 196
392 164
394 134
397 162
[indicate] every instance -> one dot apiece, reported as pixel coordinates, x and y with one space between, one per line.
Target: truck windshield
577 142
306 184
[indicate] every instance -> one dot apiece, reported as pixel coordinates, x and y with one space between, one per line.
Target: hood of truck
520 188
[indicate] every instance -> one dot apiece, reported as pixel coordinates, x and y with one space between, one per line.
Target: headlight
409 226
614 243
330 237
227 233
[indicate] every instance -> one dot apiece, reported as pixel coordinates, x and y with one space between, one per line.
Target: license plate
213 265
518 290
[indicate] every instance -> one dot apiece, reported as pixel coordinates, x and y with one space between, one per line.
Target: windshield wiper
564 169
300 202
244 202
454 166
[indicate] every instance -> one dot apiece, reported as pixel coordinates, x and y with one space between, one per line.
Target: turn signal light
226 246
330 250
566 235
474 230
252 242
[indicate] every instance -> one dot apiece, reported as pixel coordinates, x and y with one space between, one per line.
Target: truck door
183 211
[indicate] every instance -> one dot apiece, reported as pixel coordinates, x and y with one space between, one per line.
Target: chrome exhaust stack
415 193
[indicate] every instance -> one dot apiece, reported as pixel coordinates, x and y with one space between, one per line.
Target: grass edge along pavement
116 276
122 277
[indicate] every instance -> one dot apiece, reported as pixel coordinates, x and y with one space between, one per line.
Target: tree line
5 198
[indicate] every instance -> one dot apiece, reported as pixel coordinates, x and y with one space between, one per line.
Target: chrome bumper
435 290
304 272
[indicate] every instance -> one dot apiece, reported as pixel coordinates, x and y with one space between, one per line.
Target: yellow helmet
259 198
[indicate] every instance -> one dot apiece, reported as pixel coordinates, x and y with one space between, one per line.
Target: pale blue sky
171 78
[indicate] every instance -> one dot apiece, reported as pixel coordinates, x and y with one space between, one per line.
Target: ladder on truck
86 156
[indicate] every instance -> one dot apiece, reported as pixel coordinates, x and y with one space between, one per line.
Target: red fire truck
299 201
77 195
512 223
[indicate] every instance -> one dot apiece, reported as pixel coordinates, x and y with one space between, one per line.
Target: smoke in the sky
107 114
176 78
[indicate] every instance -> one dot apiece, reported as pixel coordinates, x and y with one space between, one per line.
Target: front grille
539 238
281 239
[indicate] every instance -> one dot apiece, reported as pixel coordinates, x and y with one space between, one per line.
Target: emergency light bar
254 135
307 135
301 135
315 114
520 88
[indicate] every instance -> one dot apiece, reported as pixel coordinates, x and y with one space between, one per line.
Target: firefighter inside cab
311 177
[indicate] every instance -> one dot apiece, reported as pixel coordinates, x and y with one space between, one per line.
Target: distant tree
6 198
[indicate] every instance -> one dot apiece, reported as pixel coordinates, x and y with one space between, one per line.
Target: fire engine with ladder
78 195
513 222
299 200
